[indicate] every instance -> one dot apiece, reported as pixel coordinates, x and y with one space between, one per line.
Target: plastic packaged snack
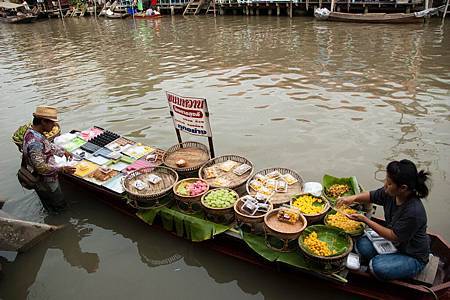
282 186
261 178
221 182
274 175
139 185
242 169
210 172
152 178
289 178
256 185
228 165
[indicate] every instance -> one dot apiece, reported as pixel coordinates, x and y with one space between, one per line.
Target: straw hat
46 112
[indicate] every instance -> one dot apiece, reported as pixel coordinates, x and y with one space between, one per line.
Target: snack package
288 215
152 178
282 186
210 172
261 197
256 185
242 169
261 178
139 185
266 191
289 178
274 175
271 184
228 165
221 182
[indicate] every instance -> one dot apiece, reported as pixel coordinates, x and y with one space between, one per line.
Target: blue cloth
388 266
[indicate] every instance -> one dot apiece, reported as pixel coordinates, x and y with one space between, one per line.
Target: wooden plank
429 272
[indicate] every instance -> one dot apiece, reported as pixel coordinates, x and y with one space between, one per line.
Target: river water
320 98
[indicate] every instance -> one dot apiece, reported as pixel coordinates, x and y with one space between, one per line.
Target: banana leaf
328 181
192 227
335 238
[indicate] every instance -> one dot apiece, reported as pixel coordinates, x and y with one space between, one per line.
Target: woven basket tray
314 218
154 191
244 217
283 230
280 198
189 199
338 236
50 138
195 154
235 180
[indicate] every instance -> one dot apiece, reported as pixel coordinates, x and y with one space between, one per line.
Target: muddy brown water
320 98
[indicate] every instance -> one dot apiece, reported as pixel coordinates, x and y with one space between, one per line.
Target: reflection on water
317 97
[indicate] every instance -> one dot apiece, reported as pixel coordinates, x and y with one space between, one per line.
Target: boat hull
18 20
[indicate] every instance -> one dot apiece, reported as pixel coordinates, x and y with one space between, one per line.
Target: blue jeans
388 266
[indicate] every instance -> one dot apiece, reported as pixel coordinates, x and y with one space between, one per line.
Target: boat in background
144 16
389 18
15 13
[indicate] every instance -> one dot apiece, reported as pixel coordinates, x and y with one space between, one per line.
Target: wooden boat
394 18
18 235
144 16
15 13
362 284
116 15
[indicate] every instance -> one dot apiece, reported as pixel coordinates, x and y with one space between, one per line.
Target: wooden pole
60 9
332 5
445 12
95 8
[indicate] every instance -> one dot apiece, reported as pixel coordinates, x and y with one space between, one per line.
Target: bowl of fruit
219 201
190 190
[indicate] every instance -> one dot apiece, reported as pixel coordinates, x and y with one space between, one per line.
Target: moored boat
394 18
144 16
15 13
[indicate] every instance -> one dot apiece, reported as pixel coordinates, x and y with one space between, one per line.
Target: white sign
189 114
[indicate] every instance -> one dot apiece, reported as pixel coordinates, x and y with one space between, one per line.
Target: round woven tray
154 191
195 154
331 263
189 199
235 180
279 199
243 217
281 230
314 218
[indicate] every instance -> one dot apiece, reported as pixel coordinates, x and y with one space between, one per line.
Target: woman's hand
345 201
68 170
358 217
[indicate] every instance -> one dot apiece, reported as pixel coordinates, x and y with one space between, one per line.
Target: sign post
190 115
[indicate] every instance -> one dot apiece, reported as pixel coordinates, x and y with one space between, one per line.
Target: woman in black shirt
406 222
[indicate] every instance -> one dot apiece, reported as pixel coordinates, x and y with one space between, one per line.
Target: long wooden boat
359 283
15 13
143 16
393 18
18 235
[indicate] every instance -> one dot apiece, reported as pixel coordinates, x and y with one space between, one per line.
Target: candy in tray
261 178
271 184
242 169
289 178
282 187
221 182
210 172
274 175
256 185
288 215
152 178
228 165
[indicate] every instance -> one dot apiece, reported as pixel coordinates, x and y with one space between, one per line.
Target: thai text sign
189 114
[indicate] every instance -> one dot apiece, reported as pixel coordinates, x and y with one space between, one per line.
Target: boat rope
431 292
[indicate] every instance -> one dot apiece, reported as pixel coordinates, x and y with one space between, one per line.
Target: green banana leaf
192 227
336 238
328 181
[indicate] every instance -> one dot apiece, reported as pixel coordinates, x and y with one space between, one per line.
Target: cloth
388 266
52 200
38 153
140 7
409 223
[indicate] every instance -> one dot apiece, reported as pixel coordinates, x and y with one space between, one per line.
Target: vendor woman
406 222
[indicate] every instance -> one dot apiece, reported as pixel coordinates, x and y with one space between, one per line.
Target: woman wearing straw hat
38 155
